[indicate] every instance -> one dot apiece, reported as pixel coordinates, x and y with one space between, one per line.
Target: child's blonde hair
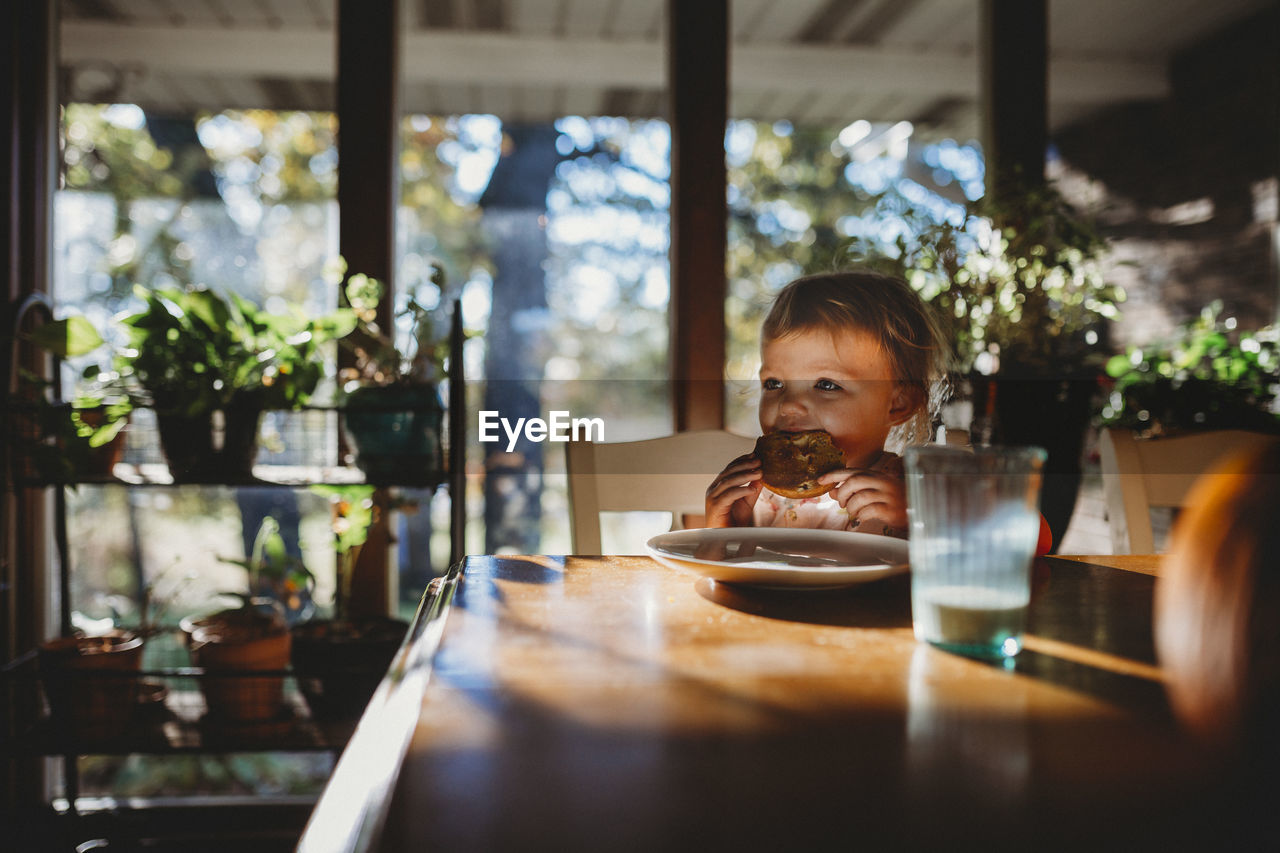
888 309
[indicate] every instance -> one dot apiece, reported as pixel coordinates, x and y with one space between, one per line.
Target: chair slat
1138 474
668 474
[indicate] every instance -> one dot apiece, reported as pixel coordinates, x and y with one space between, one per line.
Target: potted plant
92 683
1018 282
340 661
392 417
87 433
253 636
392 412
1020 285
276 574
232 645
210 364
1208 376
100 411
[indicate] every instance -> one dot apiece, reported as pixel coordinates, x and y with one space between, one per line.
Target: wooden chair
659 474
1138 474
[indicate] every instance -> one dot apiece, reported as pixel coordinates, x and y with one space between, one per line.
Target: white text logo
560 427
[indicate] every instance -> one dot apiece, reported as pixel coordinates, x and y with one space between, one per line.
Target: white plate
781 557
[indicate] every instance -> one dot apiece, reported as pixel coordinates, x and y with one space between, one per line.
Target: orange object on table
1045 540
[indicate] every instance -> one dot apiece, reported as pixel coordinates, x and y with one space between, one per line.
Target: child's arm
732 494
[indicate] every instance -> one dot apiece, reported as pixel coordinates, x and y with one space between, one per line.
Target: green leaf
67 338
1118 365
340 323
105 433
351 527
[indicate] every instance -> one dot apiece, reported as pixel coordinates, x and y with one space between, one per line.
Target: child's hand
870 495
732 494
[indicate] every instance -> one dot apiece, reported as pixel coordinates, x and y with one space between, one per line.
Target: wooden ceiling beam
487 57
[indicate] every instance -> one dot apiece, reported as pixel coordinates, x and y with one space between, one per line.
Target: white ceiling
827 61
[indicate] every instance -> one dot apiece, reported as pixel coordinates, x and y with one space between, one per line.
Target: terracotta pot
92 683
261 612
100 461
1217 608
229 653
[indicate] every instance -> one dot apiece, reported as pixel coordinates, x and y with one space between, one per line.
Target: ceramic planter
1049 413
395 432
92 683
198 452
229 652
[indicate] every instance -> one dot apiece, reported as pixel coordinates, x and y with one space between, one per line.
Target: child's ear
906 401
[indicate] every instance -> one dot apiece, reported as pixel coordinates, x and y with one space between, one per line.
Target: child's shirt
823 513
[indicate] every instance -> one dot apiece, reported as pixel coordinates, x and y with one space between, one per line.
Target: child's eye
826 385
771 384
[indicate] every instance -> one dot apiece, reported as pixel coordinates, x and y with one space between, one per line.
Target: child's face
839 382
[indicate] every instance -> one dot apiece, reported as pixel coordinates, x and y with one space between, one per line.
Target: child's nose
792 403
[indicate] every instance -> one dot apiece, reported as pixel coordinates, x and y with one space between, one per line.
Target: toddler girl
859 355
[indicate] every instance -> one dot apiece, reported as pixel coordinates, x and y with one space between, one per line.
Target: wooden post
1015 117
698 88
368 88
30 584
29 589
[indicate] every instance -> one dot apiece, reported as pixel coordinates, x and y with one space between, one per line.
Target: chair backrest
658 474
1138 474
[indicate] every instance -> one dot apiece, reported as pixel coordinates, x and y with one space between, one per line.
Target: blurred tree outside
608 274
270 169
514 203
577 212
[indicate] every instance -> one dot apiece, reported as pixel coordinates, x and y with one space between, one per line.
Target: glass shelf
171 717
288 476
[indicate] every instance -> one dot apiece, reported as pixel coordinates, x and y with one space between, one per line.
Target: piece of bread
792 462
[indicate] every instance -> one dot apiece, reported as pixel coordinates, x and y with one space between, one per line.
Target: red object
1045 540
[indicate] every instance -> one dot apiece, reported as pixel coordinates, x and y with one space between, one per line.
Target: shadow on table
1071 605
1118 688
884 603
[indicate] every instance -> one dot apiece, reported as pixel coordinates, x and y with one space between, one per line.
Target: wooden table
605 703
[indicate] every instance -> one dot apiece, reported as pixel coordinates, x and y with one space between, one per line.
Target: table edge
352 809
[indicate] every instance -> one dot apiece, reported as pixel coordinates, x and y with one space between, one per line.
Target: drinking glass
974 524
